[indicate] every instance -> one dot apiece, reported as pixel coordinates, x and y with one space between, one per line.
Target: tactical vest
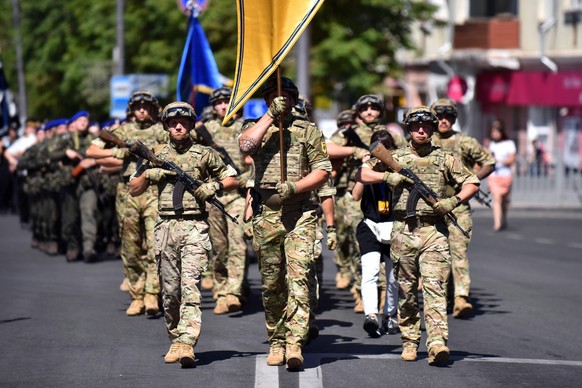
430 169
190 162
268 159
227 137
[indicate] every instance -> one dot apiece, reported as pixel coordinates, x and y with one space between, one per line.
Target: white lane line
456 358
575 245
265 376
545 241
310 376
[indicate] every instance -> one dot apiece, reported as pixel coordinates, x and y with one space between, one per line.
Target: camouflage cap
178 109
445 106
422 114
222 93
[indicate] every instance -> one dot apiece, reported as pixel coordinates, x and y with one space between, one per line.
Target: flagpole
281 141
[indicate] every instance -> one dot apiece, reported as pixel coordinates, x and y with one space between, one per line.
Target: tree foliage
68 46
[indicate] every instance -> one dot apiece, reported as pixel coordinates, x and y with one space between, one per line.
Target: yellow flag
267 31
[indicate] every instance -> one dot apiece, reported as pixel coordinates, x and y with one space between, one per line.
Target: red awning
530 88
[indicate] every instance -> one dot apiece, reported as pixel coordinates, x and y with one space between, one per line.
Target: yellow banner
267 31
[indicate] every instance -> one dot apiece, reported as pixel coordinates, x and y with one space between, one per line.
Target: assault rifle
209 141
417 190
183 180
354 138
483 197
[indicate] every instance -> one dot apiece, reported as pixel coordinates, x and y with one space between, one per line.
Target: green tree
68 47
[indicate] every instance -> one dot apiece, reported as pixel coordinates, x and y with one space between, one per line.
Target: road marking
545 241
311 375
575 245
514 236
265 376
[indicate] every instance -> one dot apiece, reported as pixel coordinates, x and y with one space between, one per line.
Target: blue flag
198 75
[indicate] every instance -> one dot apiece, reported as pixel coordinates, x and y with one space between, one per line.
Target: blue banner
198 75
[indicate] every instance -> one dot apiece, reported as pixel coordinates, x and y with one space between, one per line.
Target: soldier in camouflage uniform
284 220
420 244
228 244
86 183
472 154
136 215
182 243
32 167
57 179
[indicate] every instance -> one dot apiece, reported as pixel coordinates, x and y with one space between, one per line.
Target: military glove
248 229
120 153
445 205
286 190
394 179
360 153
157 174
277 107
331 237
207 190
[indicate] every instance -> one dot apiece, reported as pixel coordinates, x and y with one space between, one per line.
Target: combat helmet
178 109
145 97
345 117
286 84
445 106
369 100
222 93
422 114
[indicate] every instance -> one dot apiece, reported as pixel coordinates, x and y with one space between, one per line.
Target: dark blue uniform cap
82 113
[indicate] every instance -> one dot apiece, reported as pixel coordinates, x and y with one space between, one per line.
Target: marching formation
185 200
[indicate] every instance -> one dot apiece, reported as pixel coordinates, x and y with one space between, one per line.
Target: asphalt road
64 325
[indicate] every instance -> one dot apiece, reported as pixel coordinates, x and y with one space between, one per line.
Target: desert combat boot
294 357
187 359
276 356
135 308
151 304
438 354
462 308
173 354
409 352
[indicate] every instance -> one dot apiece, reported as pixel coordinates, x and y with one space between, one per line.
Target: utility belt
183 217
269 199
419 220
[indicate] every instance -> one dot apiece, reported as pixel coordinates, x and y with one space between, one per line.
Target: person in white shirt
500 181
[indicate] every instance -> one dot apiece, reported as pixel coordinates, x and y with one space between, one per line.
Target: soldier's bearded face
369 114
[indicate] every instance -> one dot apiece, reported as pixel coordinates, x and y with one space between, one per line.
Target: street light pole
22 101
119 54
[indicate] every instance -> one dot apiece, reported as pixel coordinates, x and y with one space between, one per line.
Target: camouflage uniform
228 244
181 239
32 166
284 232
420 245
471 153
137 215
87 184
58 184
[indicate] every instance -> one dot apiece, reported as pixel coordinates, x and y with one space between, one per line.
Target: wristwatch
459 201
